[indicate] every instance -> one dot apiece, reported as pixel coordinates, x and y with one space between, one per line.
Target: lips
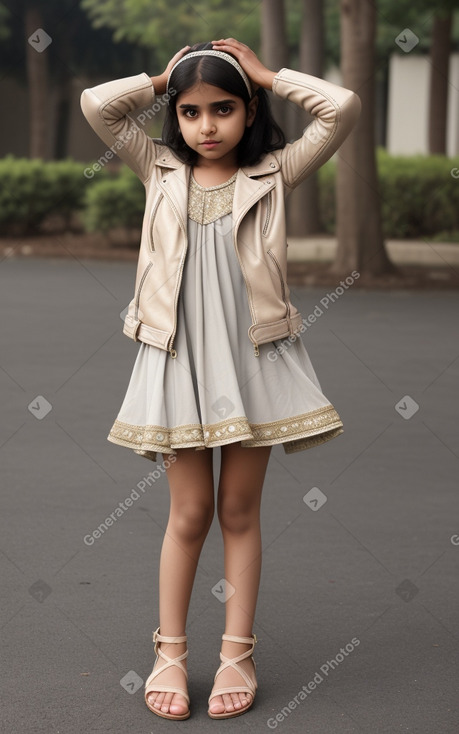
210 143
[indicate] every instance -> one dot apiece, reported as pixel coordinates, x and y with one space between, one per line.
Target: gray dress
216 391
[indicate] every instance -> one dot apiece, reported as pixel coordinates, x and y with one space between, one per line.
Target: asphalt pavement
357 616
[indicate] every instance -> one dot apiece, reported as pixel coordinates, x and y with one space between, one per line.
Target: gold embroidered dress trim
208 203
296 433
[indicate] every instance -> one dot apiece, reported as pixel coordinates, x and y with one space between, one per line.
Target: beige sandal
251 684
158 687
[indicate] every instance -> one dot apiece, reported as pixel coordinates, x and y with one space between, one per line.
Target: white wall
407 118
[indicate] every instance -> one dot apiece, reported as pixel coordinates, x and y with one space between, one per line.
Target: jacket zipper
247 284
249 292
173 352
152 216
279 271
268 213
142 280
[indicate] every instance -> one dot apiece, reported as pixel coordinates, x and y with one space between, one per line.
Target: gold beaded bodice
208 203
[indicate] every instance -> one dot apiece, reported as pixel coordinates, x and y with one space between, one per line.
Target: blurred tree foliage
167 26
76 49
393 17
4 23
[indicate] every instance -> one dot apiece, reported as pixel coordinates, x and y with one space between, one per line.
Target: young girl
220 361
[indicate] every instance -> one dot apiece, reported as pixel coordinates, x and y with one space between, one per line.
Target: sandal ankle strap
249 685
234 638
163 638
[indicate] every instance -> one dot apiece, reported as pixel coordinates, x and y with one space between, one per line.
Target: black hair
261 137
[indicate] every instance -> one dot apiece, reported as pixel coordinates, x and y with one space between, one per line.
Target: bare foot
169 703
230 702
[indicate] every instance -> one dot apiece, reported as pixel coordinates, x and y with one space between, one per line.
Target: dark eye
225 107
185 113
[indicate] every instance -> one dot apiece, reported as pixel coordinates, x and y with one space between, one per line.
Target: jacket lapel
174 182
248 188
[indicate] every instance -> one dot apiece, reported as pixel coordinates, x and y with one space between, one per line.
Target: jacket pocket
265 229
154 209
139 289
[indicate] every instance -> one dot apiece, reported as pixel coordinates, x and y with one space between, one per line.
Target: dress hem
296 433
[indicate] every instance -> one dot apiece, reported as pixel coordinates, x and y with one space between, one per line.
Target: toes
235 701
245 698
159 700
166 702
228 701
178 705
216 705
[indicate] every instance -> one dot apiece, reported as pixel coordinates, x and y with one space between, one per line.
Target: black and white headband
213 52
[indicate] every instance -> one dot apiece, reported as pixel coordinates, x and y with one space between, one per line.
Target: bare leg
239 497
191 511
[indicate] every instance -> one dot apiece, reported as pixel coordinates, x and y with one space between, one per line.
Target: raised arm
336 110
107 107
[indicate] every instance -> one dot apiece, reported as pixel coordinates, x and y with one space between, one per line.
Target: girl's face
208 113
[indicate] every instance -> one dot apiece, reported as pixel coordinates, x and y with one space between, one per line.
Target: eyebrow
212 104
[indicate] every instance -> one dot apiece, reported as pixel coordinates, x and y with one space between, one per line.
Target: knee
236 515
190 521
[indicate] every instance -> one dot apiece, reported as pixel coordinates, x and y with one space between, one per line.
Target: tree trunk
274 49
64 92
359 232
439 72
303 202
64 99
37 77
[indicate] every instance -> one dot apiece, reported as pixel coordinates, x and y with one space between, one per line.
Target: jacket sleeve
336 110
106 108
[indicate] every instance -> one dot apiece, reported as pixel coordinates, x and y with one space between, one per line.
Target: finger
176 57
182 51
229 41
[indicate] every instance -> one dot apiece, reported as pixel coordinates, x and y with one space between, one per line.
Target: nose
207 125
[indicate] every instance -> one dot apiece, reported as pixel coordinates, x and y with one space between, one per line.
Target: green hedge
32 190
419 196
117 202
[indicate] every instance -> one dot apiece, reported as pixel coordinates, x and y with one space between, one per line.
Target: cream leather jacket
259 230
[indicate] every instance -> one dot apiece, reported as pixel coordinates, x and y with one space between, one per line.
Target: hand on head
164 76
257 72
